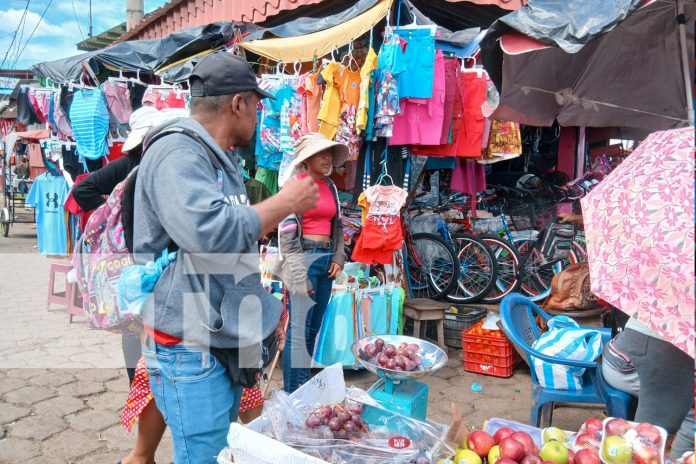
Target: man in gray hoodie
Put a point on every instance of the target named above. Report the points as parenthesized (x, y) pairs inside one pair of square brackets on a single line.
[(192, 198)]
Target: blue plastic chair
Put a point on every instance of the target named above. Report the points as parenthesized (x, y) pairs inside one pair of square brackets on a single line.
[(518, 317)]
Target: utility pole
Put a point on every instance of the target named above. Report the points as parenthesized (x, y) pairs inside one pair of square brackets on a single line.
[(134, 12), (90, 19)]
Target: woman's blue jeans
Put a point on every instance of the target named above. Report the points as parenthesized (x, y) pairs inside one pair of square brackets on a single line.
[(299, 346), (194, 393)]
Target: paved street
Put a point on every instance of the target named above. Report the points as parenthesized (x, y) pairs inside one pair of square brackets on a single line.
[(62, 385)]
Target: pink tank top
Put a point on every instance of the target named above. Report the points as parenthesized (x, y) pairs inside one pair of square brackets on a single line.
[(317, 221)]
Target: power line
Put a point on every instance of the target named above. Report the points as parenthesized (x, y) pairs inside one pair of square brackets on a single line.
[(21, 37), (32, 33), (26, 8), (77, 20)]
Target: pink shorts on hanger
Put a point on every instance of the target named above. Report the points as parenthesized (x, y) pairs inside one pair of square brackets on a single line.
[(421, 119)]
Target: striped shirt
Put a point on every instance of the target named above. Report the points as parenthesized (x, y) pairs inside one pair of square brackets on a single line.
[(89, 116)]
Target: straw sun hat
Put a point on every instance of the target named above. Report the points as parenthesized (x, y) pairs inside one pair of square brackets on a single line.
[(311, 144)]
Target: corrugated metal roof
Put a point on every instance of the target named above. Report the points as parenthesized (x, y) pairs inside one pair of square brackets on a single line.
[(179, 14)]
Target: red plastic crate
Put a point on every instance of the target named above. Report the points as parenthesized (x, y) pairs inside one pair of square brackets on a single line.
[(488, 354), (487, 369), (498, 361)]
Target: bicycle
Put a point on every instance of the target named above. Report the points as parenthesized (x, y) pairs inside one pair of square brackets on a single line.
[(530, 259), (476, 262)]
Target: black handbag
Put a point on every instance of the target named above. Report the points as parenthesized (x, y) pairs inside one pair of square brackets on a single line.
[(247, 377)]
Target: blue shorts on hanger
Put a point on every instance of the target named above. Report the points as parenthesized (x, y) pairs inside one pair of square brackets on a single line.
[(417, 79)]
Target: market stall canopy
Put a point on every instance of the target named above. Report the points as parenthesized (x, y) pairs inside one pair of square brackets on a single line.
[(145, 56), (591, 63), (639, 223), (317, 44)]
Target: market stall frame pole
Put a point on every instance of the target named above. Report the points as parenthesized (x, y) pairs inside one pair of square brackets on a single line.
[(681, 20)]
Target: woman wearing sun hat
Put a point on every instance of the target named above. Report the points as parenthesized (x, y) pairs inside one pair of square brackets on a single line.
[(311, 250)]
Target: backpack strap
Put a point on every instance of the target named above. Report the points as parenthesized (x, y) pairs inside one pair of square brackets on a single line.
[(189, 133)]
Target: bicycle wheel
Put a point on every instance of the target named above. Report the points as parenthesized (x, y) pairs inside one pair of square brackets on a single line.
[(508, 264), (477, 270), (432, 265), (537, 270)]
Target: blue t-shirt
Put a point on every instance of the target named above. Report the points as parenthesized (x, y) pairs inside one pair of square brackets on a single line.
[(47, 195)]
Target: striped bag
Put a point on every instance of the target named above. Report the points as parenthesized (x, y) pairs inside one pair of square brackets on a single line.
[(565, 340)]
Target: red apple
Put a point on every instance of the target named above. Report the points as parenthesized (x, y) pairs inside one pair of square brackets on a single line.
[(587, 440), (527, 442), (645, 453), (571, 456), (480, 443), (587, 456), (617, 427), (593, 424), (649, 433), (531, 458), (511, 449), (502, 432)]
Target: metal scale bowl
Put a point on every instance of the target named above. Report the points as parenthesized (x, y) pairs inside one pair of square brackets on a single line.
[(399, 390)]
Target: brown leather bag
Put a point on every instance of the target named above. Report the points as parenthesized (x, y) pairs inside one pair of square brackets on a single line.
[(570, 290)]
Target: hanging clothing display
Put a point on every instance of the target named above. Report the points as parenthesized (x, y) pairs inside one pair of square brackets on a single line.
[(470, 139), (347, 131), (420, 120), (118, 99), (366, 79), (381, 234), (313, 93), (330, 110), (47, 195), (451, 94), (468, 177), (89, 118), (504, 142), (416, 80), (268, 153)]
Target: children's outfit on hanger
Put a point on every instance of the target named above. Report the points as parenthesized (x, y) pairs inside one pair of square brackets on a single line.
[(330, 110), (421, 119), (313, 93), (366, 77), (381, 234), (164, 99), (90, 122), (347, 132), (268, 152), (471, 131), (390, 64), (47, 195)]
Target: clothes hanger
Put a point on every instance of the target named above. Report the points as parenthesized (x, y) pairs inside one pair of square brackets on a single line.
[(415, 26), (477, 69), (384, 175)]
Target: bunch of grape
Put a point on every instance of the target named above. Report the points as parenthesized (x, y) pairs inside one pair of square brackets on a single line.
[(402, 358), (338, 418)]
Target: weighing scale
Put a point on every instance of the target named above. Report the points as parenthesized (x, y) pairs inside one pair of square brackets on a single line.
[(399, 391)]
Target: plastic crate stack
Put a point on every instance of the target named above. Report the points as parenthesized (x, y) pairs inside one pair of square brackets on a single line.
[(488, 352), (458, 319)]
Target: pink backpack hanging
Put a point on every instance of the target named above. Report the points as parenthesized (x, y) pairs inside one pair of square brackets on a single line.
[(99, 259)]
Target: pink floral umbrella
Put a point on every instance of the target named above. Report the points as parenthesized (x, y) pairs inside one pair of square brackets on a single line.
[(639, 223)]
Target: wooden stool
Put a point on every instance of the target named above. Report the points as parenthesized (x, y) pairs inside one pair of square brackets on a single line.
[(54, 296), (75, 307), (424, 310)]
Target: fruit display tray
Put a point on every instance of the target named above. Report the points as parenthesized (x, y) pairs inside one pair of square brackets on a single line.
[(432, 356)]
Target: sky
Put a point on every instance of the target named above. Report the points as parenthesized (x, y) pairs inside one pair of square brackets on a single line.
[(58, 32)]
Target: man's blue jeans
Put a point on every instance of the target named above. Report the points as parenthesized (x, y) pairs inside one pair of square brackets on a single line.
[(194, 393), (294, 375)]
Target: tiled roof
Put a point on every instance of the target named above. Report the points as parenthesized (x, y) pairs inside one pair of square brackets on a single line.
[(180, 14)]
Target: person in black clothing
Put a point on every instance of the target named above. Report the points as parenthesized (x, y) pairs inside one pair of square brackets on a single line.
[(90, 194)]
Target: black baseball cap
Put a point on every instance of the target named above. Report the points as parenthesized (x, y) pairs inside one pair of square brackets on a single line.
[(221, 73)]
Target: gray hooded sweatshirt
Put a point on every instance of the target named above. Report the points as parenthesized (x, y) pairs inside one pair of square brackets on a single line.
[(212, 294)]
